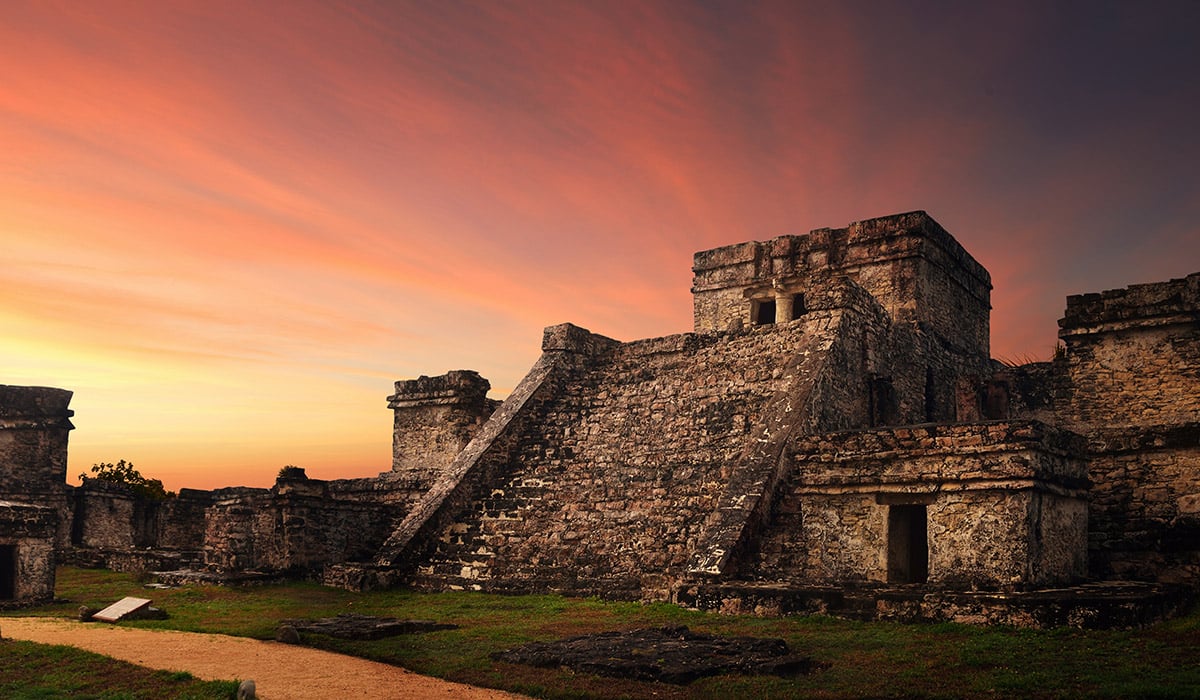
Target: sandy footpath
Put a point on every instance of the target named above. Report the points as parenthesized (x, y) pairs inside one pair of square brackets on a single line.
[(281, 671)]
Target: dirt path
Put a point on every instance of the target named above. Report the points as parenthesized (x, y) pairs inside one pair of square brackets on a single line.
[(281, 671)]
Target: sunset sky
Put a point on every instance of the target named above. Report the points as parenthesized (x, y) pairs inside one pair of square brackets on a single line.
[(228, 227)]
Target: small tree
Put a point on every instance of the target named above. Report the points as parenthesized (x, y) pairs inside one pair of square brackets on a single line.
[(291, 471), (123, 473)]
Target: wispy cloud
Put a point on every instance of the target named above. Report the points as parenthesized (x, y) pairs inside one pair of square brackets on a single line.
[(214, 213)]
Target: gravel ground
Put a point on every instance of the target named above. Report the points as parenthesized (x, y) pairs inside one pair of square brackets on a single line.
[(281, 671)]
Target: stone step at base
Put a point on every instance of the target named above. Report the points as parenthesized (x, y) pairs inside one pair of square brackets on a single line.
[(1095, 605)]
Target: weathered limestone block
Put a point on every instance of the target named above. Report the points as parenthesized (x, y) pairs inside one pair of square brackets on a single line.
[(435, 418)]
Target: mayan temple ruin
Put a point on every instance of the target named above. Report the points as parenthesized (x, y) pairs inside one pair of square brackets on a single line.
[(833, 436)]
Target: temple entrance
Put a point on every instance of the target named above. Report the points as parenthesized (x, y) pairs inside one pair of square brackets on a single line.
[(763, 311), (908, 544), (8, 571)]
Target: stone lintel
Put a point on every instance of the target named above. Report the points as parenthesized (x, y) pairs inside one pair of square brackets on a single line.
[(1144, 438), (19, 520), (958, 438), (1079, 332), (962, 456), (900, 492)]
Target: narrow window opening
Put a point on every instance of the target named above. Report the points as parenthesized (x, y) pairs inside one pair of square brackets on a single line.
[(995, 401), (798, 307), (764, 312), (881, 401), (908, 544), (79, 517), (930, 396), (8, 572)]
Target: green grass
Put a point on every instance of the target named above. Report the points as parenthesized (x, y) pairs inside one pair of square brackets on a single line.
[(31, 671), (864, 659)]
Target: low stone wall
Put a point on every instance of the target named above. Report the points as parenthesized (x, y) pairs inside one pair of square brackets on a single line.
[(1106, 605), (180, 521), (295, 527), (1145, 511), (104, 516)]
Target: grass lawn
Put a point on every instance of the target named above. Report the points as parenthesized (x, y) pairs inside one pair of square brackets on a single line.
[(31, 671), (864, 659)]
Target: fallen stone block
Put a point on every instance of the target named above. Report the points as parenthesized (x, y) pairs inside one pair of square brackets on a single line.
[(121, 609)]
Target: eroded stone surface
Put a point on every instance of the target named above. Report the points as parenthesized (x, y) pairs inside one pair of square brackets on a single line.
[(666, 654)]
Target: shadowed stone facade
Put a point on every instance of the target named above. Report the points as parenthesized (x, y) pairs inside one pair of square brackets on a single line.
[(833, 424), (34, 517)]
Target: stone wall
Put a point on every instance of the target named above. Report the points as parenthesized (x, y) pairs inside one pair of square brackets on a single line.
[(104, 516), (1004, 505), (296, 527), (180, 521), (34, 424), (34, 513), (240, 530), (1145, 522), (1130, 381), (27, 553), (1133, 356), (435, 418)]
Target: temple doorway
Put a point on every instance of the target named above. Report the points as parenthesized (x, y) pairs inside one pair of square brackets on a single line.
[(8, 571), (908, 544)]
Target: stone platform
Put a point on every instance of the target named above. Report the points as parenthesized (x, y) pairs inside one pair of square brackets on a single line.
[(1098, 605)]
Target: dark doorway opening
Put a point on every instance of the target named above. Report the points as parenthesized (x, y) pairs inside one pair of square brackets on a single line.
[(8, 571), (764, 312), (908, 544), (995, 401), (798, 308), (930, 396)]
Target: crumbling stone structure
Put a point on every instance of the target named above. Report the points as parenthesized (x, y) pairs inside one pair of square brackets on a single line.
[(435, 418), (834, 424), (34, 425), (295, 528), (632, 469)]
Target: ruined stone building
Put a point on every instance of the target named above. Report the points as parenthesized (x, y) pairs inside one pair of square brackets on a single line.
[(834, 423), (34, 422)]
